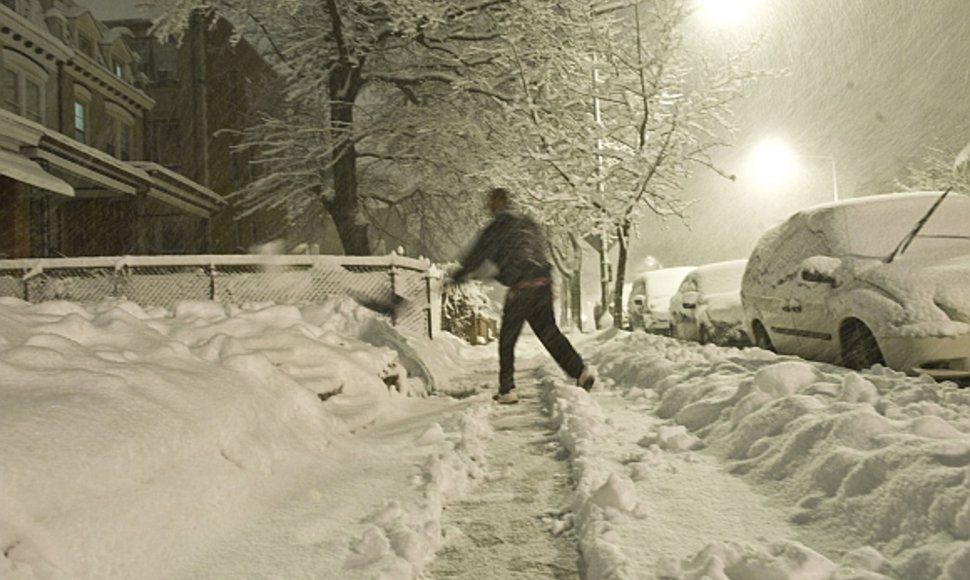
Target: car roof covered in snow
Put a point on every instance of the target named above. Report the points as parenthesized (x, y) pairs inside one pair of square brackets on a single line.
[(719, 276)]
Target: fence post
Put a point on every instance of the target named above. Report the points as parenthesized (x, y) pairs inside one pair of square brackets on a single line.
[(429, 307), (118, 279), (392, 271), (211, 270)]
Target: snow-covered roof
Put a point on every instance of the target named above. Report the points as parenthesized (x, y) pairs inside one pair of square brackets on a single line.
[(664, 282), (720, 276)]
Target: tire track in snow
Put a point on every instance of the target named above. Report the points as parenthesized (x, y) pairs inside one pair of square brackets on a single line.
[(505, 529)]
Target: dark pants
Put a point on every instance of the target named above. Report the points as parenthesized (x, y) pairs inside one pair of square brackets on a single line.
[(532, 304)]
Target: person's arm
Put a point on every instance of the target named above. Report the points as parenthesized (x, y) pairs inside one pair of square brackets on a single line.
[(479, 252)]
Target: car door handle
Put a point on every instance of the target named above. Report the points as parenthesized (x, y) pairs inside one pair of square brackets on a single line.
[(795, 308)]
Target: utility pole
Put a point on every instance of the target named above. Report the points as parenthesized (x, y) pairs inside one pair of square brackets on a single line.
[(603, 234)]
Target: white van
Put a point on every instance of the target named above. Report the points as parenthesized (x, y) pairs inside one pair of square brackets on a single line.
[(649, 305)]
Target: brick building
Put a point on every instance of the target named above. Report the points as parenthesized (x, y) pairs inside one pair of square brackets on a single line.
[(206, 89), (75, 179)]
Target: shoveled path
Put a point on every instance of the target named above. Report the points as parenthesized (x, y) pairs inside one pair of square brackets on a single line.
[(508, 527)]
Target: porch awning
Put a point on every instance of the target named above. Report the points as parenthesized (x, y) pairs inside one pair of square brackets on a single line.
[(179, 191), (94, 173), (19, 168)]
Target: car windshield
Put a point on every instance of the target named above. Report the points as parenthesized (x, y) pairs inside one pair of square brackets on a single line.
[(720, 278), (873, 230)]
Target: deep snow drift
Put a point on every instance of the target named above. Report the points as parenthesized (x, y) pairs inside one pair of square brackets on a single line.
[(273, 440)]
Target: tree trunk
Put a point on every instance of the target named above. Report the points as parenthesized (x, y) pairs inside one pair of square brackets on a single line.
[(565, 299), (624, 235), (576, 284), (345, 209), (604, 279)]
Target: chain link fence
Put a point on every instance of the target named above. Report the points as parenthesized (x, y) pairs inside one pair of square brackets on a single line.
[(404, 289)]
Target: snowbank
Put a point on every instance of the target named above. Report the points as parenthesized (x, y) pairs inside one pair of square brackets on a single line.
[(876, 465), (115, 420), (401, 540)]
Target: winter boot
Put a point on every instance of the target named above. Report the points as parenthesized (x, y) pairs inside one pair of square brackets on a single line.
[(509, 398), (586, 379)]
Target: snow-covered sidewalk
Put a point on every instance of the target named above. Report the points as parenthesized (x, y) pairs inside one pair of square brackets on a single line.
[(750, 465), (516, 523), (280, 442)]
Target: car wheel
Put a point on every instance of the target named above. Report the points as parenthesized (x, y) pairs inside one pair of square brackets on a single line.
[(859, 347), (761, 338), (703, 335)]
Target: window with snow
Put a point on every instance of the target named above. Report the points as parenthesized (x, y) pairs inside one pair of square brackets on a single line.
[(81, 121)]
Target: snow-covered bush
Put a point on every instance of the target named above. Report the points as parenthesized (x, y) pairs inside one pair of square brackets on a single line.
[(468, 312)]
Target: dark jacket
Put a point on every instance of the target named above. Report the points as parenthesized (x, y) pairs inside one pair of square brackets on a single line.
[(515, 244)]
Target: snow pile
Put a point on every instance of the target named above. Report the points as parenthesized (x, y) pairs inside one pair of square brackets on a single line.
[(181, 414), (402, 540), (877, 458), (149, 444), (602, 494)]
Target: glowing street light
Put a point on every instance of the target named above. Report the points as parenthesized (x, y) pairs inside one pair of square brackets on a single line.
[(727, 12), (773, 163)]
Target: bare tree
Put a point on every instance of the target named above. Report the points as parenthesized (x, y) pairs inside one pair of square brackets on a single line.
[(664, 111), (937, 169), (396, 115), (366, 83)]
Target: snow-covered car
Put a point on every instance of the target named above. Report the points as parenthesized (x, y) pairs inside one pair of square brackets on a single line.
[(649, 305), (707, 305), (876, 280)]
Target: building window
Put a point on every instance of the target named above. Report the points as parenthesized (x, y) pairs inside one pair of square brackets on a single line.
[(11, 91), (80, 121), (166, 150), (11, 4), (33, 104), (85, 44), (124, 142), (119, 70), (23, 95), (109, 143), (166, 61), (143, 48)]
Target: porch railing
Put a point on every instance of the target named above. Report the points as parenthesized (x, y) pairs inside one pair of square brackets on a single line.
[(399, 287)]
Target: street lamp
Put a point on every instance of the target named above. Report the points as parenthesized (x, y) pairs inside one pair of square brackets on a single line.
[(728, 12), (773, 163)]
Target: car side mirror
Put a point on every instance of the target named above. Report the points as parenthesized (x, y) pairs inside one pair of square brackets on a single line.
[(821, 270)]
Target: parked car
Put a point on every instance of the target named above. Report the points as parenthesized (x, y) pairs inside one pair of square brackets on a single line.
[(649, 305), (882, 279), (707, 305)]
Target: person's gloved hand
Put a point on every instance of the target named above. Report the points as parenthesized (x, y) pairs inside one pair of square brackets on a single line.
[(452, 280)]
